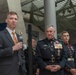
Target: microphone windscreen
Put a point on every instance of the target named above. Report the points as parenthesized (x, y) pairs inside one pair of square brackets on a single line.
[(20, 38)]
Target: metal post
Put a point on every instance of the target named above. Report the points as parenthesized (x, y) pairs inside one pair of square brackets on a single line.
[(50, 14), (30, 49)]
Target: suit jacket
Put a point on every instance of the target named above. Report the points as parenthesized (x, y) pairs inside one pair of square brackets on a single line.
[(10, 61)]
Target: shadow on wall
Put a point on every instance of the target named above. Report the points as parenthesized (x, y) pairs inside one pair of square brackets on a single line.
[(2, 26)]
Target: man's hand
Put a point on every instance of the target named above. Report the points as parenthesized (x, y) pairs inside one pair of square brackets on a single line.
[(17, 47), (48, 67), (73, 71), (55, 68), (37, 72)]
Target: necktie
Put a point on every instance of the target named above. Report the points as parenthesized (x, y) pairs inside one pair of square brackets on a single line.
[(14, 38)]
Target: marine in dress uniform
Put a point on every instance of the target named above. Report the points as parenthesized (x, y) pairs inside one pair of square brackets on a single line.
[(70, 68), (50, 54)]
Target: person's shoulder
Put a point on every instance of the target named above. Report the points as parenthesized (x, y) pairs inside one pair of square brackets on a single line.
[(42, 40), (74, 46), (60, 41), (2, 32)]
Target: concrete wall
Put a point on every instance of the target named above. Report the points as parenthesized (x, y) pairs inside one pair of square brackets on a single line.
[(3, 10)]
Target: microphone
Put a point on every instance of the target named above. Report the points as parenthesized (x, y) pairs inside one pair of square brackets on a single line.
[(21, 40), (20, 37)]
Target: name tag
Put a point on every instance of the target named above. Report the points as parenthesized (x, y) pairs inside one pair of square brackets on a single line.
[(70, 59)]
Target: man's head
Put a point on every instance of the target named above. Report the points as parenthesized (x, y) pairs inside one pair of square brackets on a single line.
[(65, 36), (50, 31), (33, 42), (11, 20)]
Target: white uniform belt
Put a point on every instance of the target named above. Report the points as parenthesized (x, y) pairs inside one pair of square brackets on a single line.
[(70, 59)]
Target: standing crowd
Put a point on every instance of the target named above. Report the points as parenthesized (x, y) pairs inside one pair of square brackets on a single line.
[(51, 56)]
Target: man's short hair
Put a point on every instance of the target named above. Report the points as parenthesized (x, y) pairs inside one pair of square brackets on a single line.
[(48, 27), (32, 38), (64, 32), (12, 13)]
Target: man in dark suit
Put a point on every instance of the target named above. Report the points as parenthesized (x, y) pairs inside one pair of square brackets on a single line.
[(70, 68), (50, 54), (12, 60)]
